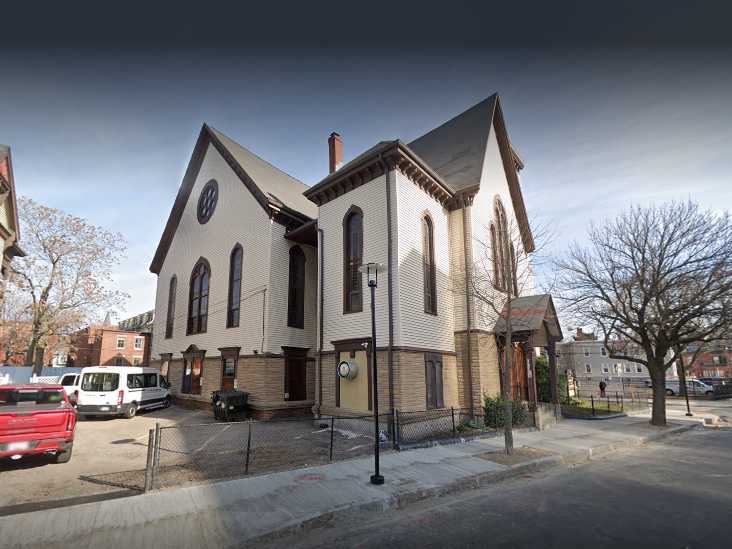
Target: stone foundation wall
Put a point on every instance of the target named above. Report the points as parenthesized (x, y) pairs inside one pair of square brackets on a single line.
[(484, 367)]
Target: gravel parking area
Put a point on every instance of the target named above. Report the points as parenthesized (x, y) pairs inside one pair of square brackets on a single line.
[(103, 447)]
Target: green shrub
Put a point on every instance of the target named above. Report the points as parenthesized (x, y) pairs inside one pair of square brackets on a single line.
[(494, 412), (543, 389)]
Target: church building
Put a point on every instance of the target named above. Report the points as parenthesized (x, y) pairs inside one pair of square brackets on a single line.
[(261, 285)]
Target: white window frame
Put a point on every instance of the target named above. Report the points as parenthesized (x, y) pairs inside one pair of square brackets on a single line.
[(605, 369), (639, 369), (123, 339), (141, 341), (628, 369), (587, 352), (603, 351), (137, 360), (588, 368)]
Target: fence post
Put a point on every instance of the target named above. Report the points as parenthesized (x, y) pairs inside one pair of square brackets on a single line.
[(398, 437), (332, 423), (156, 455), (452, 410), (249, 444), (608, 403), (394, 442), (622, 403), (592, 400), (149, 463)]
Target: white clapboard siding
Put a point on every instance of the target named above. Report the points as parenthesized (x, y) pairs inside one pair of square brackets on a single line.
[(238, 218), (417, 328), (371, 198)]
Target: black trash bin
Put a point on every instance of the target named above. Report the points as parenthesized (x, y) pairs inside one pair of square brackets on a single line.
[(228, 404)]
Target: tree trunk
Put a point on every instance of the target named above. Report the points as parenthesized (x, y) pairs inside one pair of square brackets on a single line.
[(658, 381), (507, 396)]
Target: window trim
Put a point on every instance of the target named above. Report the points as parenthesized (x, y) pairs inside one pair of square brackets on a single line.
[(296, 295), (141, 339), (170, 314), (201, 327), (429, 278), (348, 308), (123, 339), (232, 322)]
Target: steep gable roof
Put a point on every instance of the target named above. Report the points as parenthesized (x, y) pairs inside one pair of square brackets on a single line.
[(273, 189), (8, 179), (456, 151)]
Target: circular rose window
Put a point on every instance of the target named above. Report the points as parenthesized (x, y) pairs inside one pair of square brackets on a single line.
[(207, 201)]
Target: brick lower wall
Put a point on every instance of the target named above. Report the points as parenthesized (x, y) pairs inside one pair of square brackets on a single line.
[(263, 377), (483, 364)]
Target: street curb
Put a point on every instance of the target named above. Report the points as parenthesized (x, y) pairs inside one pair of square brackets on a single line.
[(405, 499)]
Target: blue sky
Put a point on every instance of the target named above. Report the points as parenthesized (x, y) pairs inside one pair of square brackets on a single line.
[(107, 135)]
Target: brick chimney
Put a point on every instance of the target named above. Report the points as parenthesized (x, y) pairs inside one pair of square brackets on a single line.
[(335, 152)]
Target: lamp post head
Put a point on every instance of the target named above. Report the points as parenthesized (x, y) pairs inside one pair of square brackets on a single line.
[(372, 273)]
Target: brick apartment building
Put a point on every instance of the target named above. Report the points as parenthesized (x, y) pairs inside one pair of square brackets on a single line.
[(127, 344), (714, 362)]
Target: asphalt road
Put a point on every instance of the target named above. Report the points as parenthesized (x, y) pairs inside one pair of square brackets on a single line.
[(675, 493)]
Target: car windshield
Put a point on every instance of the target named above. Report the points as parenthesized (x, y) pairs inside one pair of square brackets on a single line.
[(15, 397), (68, 380), (100, 382)]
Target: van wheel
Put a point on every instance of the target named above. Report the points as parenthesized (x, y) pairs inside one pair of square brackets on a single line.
[(65, 456), (166, 402), (669, 392), (131, 411), (709, 393)]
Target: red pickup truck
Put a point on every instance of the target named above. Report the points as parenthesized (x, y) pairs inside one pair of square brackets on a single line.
[(36, 419)]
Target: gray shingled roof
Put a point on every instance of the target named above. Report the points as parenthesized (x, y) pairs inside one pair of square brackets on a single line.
[(279, 187), (456, 149)]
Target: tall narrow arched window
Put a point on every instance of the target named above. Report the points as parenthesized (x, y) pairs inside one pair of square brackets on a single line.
[(234, 300), (502, 245), (495, 258), (296, 289), (170, 318), (514, 268), (352, 259), (198, 298), (428, 266)]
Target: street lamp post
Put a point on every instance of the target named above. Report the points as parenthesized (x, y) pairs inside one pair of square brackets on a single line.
[(372, 270)]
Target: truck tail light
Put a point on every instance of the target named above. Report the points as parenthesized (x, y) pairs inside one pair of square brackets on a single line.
[(120, 397), (71, 422)]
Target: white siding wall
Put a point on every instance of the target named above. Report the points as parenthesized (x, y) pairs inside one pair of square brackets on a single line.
[(278, 332), (493, 183), (238, 218), (417, 328), (371, 198)]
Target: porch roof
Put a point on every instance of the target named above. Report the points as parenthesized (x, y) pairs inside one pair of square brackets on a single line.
[(534, 314)]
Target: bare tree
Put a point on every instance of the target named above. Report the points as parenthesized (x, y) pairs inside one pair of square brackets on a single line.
[(655, 279), (502, 270), (65, 273)]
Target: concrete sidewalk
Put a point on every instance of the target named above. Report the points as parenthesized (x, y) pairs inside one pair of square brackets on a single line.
[(232, 513)]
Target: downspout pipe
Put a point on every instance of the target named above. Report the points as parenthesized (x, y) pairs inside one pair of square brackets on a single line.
[(319, 402), (390, 280), (467, 255)]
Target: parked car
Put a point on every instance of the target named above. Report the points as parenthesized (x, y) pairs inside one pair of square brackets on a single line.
[(121, 390), (714, 380), (694, 387), (70, 383), (36, 419)]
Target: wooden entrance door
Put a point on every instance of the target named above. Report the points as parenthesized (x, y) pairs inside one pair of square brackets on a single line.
[(518, 374), (228, 373), (295, 379)]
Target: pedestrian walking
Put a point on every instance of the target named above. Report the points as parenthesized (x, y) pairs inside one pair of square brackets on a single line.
[(603, 385)]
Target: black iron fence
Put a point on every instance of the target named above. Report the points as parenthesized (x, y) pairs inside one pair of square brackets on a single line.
[(599, 403), (192, 453)]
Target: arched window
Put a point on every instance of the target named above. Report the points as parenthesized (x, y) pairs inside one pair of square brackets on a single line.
[(296, 289), (496, 259), (234, 301), (428, 266), (198, 298), (502, 245), (170, 318), (352, 259), (513, 268)]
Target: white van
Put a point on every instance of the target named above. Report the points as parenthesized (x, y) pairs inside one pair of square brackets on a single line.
[(121, 390), (70, 383)]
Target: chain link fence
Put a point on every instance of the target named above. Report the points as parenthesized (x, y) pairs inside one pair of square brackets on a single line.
[(183, 454)]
